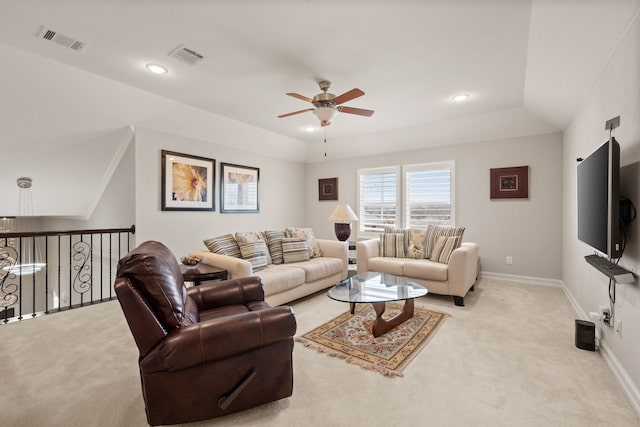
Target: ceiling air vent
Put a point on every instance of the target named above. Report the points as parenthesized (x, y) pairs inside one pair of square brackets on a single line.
[(186, 55), (54, 36)]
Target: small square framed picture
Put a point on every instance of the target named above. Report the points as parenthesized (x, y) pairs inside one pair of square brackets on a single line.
[(328, 189), (510, 183)]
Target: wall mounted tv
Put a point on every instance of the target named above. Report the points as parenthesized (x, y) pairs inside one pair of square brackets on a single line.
[(599, 200)]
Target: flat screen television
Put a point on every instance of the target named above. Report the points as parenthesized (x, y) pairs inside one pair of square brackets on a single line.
[(599, 200)]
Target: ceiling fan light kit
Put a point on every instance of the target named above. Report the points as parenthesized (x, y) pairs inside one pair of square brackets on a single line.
[(328, 105)]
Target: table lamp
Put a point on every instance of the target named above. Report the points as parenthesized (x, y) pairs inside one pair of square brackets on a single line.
[(343, 216)]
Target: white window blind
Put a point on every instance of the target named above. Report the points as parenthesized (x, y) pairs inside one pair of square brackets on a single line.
[(428, 195), (378, 199)]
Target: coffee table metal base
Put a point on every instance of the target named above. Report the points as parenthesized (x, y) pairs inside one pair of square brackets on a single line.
[(382, 326)]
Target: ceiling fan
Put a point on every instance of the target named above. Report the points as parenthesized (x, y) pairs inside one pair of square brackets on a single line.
[(328, 105)]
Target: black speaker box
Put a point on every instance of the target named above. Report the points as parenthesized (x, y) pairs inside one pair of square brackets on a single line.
[(585, 335)]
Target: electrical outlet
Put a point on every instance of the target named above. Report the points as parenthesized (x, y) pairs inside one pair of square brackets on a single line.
[(618, 327), (606, 315), (509, 260)]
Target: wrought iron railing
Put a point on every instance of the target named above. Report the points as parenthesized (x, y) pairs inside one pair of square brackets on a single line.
[(79, 269)]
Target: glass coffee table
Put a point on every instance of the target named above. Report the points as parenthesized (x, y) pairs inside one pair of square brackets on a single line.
[(378, 289)]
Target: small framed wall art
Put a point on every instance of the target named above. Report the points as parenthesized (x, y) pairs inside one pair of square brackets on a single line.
[(187, 182), (510, 183), (328, 189), (239, 188)]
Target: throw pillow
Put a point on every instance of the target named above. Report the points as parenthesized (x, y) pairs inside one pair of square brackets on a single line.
[(435, 231), (417, 243), (255, 253), (247, 236), (307, 233), (295, 249), (274, 243), (224, 245), (392, 245), (404, 231), (443, 248)]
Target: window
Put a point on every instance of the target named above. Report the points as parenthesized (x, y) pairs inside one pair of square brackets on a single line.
[(408, 196), (427, 198), (378, 199)]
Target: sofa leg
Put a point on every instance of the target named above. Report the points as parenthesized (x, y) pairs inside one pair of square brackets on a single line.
[(459, 301), (473, 287)]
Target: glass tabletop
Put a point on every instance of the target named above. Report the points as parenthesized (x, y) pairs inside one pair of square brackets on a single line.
[(376, 287)]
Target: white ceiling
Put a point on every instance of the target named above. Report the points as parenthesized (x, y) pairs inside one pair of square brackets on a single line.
[(409, 56), (526, 64)]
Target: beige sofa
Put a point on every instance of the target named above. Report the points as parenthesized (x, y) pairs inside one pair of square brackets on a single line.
[(286, 282), (455, 278)]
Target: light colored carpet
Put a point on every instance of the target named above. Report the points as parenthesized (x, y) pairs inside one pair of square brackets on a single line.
[(506, 359)]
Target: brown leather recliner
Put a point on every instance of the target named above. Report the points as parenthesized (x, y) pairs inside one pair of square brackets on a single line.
[(205, 351)]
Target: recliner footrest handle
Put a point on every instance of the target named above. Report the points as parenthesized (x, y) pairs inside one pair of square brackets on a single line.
[(225, 401)]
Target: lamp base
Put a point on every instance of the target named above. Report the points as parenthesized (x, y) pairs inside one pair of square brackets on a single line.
[(343, 230)]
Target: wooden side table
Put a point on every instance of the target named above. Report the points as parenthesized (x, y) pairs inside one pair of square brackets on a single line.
[(202, 273)]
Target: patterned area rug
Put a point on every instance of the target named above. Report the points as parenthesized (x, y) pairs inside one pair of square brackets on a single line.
[(349, 337)]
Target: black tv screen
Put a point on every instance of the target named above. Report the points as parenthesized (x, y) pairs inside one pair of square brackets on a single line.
[(598, 199)]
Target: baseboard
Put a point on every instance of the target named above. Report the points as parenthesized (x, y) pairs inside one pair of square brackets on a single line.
[(521, 279), (628, 387)]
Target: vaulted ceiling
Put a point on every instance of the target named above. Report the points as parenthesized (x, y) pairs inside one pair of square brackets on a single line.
[(525, 64)]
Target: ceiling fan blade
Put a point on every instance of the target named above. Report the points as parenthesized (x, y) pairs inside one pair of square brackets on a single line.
[(295, 112), (302, 97), (323, 124), (348, 96), (358, 111)]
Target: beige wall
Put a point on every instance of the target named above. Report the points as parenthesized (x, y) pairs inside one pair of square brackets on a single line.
[(528, 230), (281, 187), (617, 92)]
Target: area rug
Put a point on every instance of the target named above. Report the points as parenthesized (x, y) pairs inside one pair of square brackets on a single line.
[(349, 337)]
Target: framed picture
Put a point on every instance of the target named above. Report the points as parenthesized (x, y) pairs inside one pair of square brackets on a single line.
[(510, 183), (328, 189), (239, 188), (187, 182)]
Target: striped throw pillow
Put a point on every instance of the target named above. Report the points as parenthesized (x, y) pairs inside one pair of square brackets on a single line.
[(274, 243), (435, 231), (444, 247), (255, 253), (224, 245), (295, 249), (392, 245)]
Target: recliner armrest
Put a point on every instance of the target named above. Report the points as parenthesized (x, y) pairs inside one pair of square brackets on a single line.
[(227, 292), (220, 338)]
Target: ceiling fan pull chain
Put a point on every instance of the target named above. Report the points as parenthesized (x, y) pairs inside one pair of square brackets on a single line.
[(325, 142)]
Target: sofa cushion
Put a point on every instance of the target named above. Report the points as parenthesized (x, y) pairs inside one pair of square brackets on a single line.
[(274, 243), (224, 245), (443, 248), (295, 249), (280, 278), (425, 269), (416, 245), (319, 268), (255, 253), (388, 264), (307, 233), (247, 236), (404, 231), (435, 231), (392, 245)]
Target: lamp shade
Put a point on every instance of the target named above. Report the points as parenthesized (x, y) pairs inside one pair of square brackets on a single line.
[(343, 213), (325, 114)]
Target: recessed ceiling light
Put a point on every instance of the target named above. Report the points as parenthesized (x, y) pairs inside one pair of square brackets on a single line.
[(461, 97), (157, 69), (310, 129)]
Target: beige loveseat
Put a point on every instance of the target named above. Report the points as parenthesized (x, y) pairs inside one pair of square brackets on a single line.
[(455, 278), (285, 282)]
